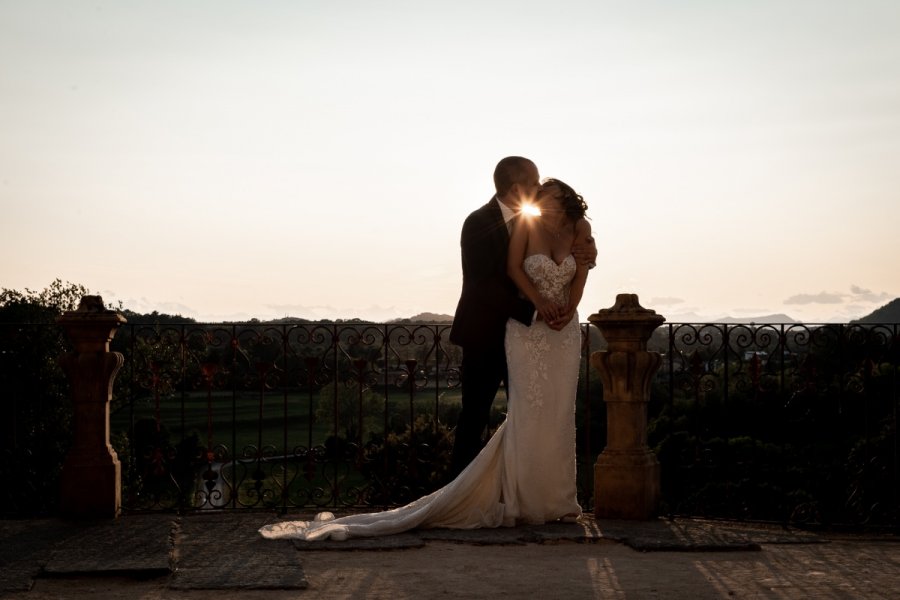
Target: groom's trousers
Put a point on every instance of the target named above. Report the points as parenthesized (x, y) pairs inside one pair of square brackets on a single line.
[(482, 371)]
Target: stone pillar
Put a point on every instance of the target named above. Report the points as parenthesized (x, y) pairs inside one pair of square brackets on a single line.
[(626, 476), (91, 483)]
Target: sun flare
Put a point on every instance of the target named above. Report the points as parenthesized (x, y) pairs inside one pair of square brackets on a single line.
[(531, 209)]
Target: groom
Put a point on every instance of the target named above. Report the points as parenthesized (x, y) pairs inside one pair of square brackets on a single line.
[(489, 298)]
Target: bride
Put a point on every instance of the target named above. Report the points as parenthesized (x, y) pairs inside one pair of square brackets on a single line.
[(526, 472)]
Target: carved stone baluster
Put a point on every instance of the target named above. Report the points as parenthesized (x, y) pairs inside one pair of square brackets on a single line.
[(626, 475), (91, 474)]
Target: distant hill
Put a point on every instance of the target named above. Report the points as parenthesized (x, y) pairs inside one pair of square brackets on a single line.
[(153, 318), (759, 320), (763, 320), (425, 317), (889, 313)]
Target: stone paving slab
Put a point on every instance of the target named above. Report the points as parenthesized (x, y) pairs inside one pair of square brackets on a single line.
[(698, 535), (503, 536), (25, 547), (135, 544), (585, 530), (225, 552), (401, 541)]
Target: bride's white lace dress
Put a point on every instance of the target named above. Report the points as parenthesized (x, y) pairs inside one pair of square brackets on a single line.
[(526, 472)]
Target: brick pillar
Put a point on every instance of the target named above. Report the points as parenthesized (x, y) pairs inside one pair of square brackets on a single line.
[(91, 482), (626, 475)]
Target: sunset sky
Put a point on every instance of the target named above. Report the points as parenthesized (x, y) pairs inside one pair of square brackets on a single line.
[(229, 160)]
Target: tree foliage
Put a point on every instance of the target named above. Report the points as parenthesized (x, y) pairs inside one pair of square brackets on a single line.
[(35, 405), (33, 307)]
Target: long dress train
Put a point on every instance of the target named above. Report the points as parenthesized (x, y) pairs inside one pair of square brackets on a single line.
[(526, 472)]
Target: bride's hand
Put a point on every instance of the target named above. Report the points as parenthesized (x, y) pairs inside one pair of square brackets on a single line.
[(562, 319), (548, 310)]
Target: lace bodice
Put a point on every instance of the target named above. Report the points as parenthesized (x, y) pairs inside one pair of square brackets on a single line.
[(551, 279)]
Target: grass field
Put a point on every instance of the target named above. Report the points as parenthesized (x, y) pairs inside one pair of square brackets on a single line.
[(281, 420), (235, 426)]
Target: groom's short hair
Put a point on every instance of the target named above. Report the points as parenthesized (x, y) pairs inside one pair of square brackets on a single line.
[(509, 171)]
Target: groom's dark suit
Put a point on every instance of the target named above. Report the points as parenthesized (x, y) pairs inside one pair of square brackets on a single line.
[(489, 298)]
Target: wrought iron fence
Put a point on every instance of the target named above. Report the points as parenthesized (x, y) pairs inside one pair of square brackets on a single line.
[(288, 416), (784, 422), (777, 422)]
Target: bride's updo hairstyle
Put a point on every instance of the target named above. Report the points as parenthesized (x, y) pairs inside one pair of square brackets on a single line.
[(573, 204)]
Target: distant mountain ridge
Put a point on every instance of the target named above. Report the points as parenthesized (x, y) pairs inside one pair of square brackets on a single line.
[(425, 317), (763, 320), (889, 313), (758, 320)]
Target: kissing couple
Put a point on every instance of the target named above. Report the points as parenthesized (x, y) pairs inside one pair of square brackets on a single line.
[(525, 261)]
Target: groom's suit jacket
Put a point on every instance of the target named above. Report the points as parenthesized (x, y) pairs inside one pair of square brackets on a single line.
[(489, 297)]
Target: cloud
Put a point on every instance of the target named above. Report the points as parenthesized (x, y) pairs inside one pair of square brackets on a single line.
[(145, 305), (857, 295), (820, 298), (665, 301), (864, 295)]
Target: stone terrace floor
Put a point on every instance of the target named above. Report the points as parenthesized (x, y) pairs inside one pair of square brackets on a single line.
[(208, 556)]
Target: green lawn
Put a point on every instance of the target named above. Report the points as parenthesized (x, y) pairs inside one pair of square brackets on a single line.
[(238, 421)]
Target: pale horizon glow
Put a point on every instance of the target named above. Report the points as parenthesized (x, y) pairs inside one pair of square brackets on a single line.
[(236, 160)]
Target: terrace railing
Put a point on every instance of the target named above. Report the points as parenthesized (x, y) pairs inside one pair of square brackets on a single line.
[(290, 416), (789, 422)]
